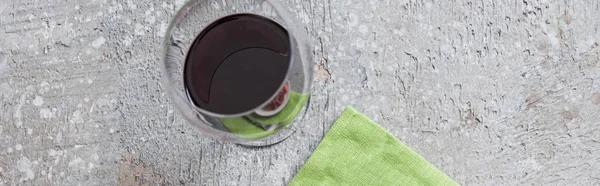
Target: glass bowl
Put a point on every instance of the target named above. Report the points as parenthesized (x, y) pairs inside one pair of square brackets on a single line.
[(268, 123)]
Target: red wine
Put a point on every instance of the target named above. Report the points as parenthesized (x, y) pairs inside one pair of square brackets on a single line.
[(237, 63)]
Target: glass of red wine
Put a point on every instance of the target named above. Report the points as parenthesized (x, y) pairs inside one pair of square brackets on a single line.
[(238, 71)]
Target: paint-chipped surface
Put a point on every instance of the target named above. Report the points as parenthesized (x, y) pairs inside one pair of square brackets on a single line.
[(491, 92), (137, 173)]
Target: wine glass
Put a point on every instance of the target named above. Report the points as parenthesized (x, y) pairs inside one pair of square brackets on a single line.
[(238, 71)]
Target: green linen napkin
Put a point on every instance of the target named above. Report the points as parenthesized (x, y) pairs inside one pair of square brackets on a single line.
[(246, 127), (356, 151)]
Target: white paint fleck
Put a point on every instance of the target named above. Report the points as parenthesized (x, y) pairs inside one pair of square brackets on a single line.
[(17, 115), (375, 47), (59, 137), (345, 98), (139, 30), (353, 20), (24, 166), (19, 147), (111, 131), (2, 63), (304, 18), (359, 43), (162, 29), (75, 162), (150, 19), (90, 167), (50, 173), (363, 29), (9, 150), (38, 101), (29, 131), (30, 17), (216, 5), (398, 32), (46, 113), (105, 103), (76, 117), (127, 41), (54, 153), (98, 42), (179, 3), (90, 81), (86, 99)]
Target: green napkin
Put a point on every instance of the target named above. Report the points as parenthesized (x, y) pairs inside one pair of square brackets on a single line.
[(356, 151), (246, 127)]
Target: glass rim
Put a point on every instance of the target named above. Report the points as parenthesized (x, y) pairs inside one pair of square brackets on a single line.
[(174, 93)]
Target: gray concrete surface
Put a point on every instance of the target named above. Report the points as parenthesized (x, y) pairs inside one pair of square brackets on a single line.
[(491, 92)]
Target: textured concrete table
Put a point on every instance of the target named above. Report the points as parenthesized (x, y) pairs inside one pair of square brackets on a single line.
[(491, 92)]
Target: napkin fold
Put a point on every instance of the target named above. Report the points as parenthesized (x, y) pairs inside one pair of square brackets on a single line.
[(356, 151)]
